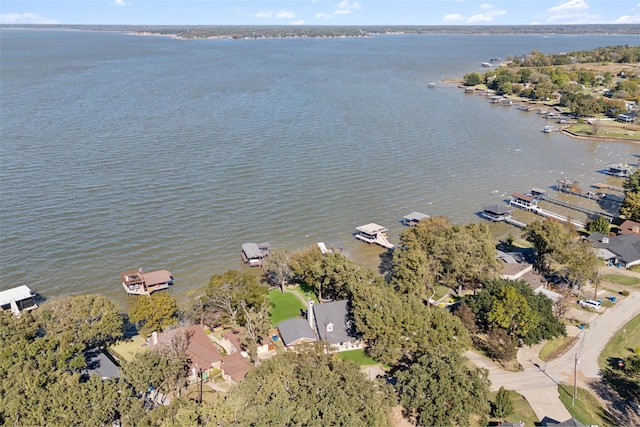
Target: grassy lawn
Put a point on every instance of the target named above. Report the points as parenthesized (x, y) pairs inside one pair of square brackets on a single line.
[(285, 306), (621, 345), (587, 409), (521, 410), (441, 291), (126, 350), (609, 129), (621, 280), (357, 356), (556, 348)]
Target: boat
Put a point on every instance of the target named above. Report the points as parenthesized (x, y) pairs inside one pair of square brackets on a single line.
[(547, 129), (486, 65), (374, 233), (619, 170), (254, 253), (431, 85), (135, 282), (18, 299)]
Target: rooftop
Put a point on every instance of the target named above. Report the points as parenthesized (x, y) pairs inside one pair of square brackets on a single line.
[(372, 228)]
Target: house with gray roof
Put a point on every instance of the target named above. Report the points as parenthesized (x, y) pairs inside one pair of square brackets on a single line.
[(330, 322), (622, 250)]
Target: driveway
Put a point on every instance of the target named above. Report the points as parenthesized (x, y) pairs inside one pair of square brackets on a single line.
[(537, 382)]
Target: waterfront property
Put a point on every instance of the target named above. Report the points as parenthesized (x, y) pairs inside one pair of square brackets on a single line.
[(413, 218), (18, 299), (524, 201), (329, 322), (374, 233), (254, 253), (135, 282), (622, 250)]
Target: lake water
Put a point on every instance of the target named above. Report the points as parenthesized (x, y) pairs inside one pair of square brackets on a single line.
[(120, 151)]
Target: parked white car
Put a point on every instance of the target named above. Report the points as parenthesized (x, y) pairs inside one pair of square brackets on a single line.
[(589, 303)]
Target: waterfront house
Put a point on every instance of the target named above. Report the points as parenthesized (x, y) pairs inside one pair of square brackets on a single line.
[(254, 253), (135, 282), (629, 227), (18, 299), (330, 322), (622, 250)]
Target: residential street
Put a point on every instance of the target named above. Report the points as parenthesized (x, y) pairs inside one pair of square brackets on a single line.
[(538, 381)]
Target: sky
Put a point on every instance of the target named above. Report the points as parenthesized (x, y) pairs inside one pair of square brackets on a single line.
[(320, 12)]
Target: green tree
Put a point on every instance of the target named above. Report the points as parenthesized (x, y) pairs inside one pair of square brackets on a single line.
[(151, 370), (473, 79), (599, 225), (439, 389), (311, 388), (401, 325), (89, 320), (503, 406), (277, 268), (511, 311), (219, 301), (155, 312), (549, 239)]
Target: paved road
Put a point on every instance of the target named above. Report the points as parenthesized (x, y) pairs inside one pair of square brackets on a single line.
[(538, 380)]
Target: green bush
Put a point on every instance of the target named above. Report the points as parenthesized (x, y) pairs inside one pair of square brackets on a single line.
[(624, 293)]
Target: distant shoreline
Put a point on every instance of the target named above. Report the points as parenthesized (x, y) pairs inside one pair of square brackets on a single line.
[(250, 32)]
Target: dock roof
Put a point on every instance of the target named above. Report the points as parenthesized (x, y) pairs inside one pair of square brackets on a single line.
[(18, 293), (523, 197), (416, 216), (371, 228), (156, 277), (498, 209), (251, 250)]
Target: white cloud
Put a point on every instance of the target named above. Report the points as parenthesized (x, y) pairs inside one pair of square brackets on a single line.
[(486, 6), (348, 5), (627, 19), (298, 22), (322, 15), (496, 13), (453, 17), (25, 18), (120, 3), (285, 14), (570, 6), (281, 14), (577, 19), (342, 12), (481, 17)]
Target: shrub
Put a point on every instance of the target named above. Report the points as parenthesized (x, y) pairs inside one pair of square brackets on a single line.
[(624, 293)]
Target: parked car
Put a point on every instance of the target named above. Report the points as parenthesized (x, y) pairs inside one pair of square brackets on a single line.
[(589, 303)]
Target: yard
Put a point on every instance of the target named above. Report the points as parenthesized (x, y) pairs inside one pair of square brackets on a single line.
[(606, 129), (521, 410), (555, 348), (126, 350), (619, 279), (586, 409), (357, 356), (284, 305), (622, 344)]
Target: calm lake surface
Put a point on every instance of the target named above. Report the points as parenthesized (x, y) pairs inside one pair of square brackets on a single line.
[(120, 151)]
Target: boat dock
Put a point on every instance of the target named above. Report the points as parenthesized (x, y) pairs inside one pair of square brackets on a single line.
[(501, 213), (600, 185), (578, 208), (531, 204), (374, 233), (135, 282)]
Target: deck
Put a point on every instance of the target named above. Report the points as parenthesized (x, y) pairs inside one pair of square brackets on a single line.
[(135, 282), (373, 233)]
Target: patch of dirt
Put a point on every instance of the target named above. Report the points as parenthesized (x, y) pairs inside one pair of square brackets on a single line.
[(398, 420)]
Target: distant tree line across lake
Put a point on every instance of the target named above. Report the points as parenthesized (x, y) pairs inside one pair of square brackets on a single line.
[(286, 31)]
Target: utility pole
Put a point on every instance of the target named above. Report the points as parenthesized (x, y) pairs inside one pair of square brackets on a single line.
[(575, 379)]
